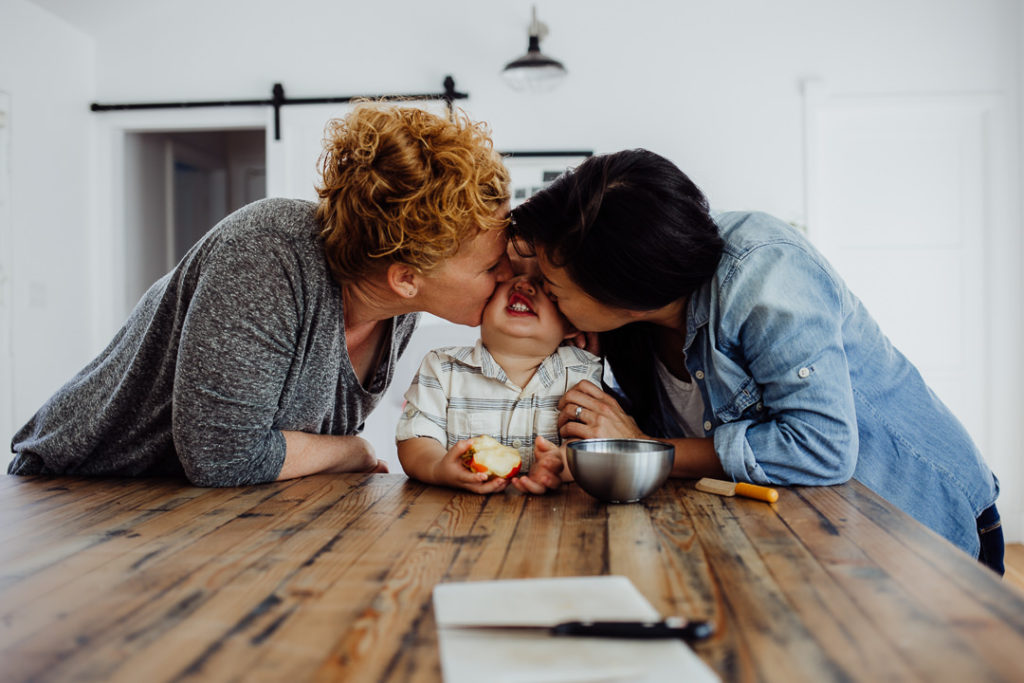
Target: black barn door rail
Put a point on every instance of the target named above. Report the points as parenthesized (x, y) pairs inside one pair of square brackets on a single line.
[(279, 100)]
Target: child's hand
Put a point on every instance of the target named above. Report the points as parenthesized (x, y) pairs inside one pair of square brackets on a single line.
[(546, 472), (450, 471)]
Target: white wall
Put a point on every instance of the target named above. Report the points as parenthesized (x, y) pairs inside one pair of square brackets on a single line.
[(47, 67), (713, 85), (716, 86)]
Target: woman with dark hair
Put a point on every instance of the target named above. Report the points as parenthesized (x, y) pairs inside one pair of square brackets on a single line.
[(731, 337)]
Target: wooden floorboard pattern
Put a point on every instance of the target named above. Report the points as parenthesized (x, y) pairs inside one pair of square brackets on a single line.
[(1015, 565)]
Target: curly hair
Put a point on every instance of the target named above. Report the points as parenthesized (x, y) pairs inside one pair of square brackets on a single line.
[(400, 184)]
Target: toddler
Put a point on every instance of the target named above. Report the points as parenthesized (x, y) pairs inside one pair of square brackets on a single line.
[(507, 386)]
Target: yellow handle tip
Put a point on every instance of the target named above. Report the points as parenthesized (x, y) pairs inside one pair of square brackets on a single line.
[(764, 493)]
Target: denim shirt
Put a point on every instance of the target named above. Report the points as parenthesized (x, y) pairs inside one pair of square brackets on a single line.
[(801, 387)]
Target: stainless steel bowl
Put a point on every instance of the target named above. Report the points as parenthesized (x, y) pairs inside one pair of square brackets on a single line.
[(620, 470)]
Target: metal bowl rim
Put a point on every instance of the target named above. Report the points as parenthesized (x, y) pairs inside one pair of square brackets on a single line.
[(659, 445)]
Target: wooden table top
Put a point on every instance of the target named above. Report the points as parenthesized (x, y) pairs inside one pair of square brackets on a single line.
[(330, 578)]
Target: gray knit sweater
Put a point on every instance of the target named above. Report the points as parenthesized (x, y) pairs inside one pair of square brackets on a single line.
[(243, 339)]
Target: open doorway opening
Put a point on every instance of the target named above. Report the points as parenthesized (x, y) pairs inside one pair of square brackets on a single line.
[(177, 186)]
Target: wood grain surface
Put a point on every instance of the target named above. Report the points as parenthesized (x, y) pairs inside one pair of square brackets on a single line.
[(329, 578)]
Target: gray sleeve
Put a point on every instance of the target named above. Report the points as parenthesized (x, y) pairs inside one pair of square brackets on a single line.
[(237, 343)]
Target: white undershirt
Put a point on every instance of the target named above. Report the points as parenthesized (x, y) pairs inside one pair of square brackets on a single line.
[(685, 402)]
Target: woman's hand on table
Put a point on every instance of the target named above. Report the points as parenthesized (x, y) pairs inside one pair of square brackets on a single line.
[(380, 468), (588, 412), (358, 456), (547, 471)]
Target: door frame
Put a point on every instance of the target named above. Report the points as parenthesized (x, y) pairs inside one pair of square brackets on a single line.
[(109, 273)]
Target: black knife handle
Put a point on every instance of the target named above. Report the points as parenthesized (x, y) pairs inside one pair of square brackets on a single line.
[(691, 630)]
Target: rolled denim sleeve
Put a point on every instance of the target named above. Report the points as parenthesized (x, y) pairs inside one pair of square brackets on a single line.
[(781, 314)]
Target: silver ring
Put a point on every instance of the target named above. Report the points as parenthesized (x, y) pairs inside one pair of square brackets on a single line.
[(579, 411)]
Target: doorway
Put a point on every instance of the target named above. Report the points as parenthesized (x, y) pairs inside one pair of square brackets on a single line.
[(178, 185)]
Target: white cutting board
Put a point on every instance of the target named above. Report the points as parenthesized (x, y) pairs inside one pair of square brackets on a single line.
[(506, 657)]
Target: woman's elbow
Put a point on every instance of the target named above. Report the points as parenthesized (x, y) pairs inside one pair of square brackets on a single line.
[(838, 461), (816, 458), (218, 468), (837, 473), (200, 472), (208, 480)]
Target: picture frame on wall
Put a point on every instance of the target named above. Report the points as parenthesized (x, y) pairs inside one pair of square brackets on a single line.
[(531, 171)]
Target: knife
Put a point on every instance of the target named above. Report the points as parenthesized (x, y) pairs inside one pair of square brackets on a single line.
[(670, 627)]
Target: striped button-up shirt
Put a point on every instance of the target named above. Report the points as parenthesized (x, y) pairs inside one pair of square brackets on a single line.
[(461, 392)]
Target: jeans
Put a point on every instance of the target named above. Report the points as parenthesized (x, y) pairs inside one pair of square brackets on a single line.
[(990, 533)]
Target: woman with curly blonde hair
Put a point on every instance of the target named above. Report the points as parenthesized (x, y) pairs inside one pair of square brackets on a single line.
[(259, 356)]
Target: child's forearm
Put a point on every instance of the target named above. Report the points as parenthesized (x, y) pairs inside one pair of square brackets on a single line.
[(419, 458)]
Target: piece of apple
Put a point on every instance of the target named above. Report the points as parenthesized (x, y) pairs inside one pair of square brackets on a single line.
[(487, 455)]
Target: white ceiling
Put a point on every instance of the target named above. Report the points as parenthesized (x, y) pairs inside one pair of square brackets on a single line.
[(90, 16)]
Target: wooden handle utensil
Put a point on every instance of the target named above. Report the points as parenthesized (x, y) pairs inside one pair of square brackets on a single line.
[(728, 488)]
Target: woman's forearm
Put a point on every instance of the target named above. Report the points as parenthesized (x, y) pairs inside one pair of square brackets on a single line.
[(314, 453), (695, 458)]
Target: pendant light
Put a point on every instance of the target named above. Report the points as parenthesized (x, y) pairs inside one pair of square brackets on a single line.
[(534, 71)]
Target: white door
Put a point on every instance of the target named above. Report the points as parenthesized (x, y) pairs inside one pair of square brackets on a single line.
[(899, 210), (292, 159), (909, 197), (6, 286)]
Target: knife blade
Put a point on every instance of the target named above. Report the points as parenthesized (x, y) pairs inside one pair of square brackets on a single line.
[(671, 627)]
